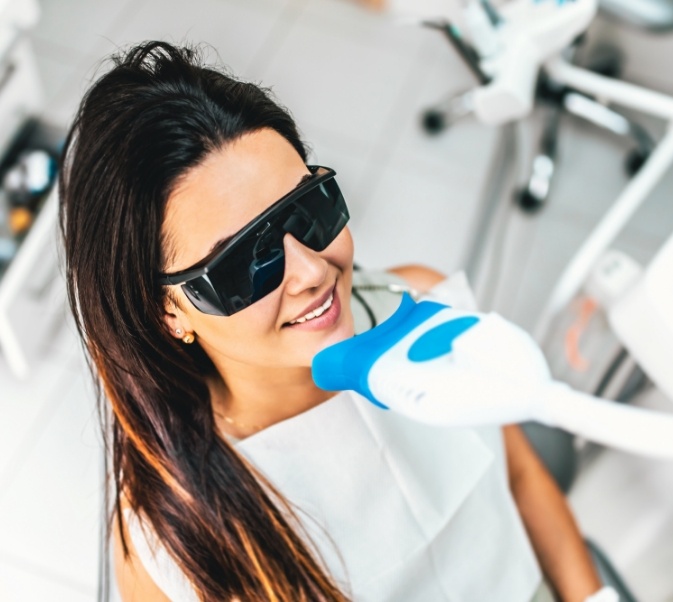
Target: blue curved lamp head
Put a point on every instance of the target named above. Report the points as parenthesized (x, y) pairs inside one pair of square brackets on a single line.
[(346, 365)]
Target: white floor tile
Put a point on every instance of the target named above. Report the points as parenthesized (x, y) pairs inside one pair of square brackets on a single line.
[(55, 65), (49, 512), (514, 245), (589, 172), (623, 502), (65, 343), (335, 82), (66, 73), (552, 244), (20, 584), (465, 142), (591, 176), (416, 217), (71, 63), (235, 29), (646, 55), (363, 26), (27, 406), (78, 25)]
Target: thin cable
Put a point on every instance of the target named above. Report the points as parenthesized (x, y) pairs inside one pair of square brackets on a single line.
[(365, 305), (391, 287)]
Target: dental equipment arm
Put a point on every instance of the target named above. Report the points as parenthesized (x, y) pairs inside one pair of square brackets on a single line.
[(444, 366), (510, 46), (530, 34)]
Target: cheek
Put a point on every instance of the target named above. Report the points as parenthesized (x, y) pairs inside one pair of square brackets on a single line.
[(244, 330), (245, 341), (240, 336), (341, 250)]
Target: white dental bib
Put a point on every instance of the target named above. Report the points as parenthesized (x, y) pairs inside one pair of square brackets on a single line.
[(400, 511), (416, 512)]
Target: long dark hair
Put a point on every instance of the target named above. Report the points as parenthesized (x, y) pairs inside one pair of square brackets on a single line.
[(156, 114)]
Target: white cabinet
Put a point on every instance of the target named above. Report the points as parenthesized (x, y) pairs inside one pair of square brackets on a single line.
[(31, 288), (32, 292)]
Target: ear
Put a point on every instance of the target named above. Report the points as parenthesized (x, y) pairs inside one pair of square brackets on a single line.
[(175, 318)]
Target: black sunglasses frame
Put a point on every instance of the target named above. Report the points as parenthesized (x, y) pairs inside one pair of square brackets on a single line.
[(319, 175)]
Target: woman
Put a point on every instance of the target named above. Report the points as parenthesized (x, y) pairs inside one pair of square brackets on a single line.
[(206, 266)]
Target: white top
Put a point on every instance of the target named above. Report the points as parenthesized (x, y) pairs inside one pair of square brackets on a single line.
[(413, 512)]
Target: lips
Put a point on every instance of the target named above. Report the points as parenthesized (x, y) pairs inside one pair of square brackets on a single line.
[(320, 303), (316, 313), (320, 314)]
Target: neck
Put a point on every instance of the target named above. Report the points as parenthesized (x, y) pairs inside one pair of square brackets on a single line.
[(253, 399)]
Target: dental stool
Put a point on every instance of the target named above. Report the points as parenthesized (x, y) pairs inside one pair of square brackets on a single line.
[(652, 15)]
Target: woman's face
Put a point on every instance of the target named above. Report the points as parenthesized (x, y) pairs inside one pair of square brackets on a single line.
[(214, 201)]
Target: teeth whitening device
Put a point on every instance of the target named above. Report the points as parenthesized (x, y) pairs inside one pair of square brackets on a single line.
[(443, 366)]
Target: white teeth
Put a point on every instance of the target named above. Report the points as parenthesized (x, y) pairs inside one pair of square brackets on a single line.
[(318, 311), (327, 304)]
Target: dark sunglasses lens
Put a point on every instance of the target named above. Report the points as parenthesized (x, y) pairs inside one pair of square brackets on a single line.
[(248, 273), (318, 216), (256, 266), (266, 274), (202, 295)]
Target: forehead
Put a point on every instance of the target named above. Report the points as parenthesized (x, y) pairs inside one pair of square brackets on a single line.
[(218, 197)]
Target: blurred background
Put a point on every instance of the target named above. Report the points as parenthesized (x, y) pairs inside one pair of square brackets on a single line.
[(446, 194)]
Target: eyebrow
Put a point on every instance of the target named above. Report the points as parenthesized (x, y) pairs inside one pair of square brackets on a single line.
[(224, 241)]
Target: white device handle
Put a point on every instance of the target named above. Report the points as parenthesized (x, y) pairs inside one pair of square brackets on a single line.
[(632, 429)]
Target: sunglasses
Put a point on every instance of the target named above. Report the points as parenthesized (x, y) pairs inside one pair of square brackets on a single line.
[(251, 264)]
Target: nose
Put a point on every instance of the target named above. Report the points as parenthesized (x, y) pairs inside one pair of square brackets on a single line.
[(304, 268)]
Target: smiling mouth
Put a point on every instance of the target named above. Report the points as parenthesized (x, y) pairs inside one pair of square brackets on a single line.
[(320, 316), (318, 311)]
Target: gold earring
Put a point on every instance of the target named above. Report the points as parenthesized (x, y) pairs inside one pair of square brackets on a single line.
[(188, 339)]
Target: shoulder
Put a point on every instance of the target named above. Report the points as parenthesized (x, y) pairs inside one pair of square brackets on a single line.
[(419, 277)]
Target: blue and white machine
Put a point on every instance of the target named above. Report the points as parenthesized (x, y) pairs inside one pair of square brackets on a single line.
[(444, 366)]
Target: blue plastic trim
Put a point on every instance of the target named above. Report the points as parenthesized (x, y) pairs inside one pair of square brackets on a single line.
[(438, 341), (346, 365)]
